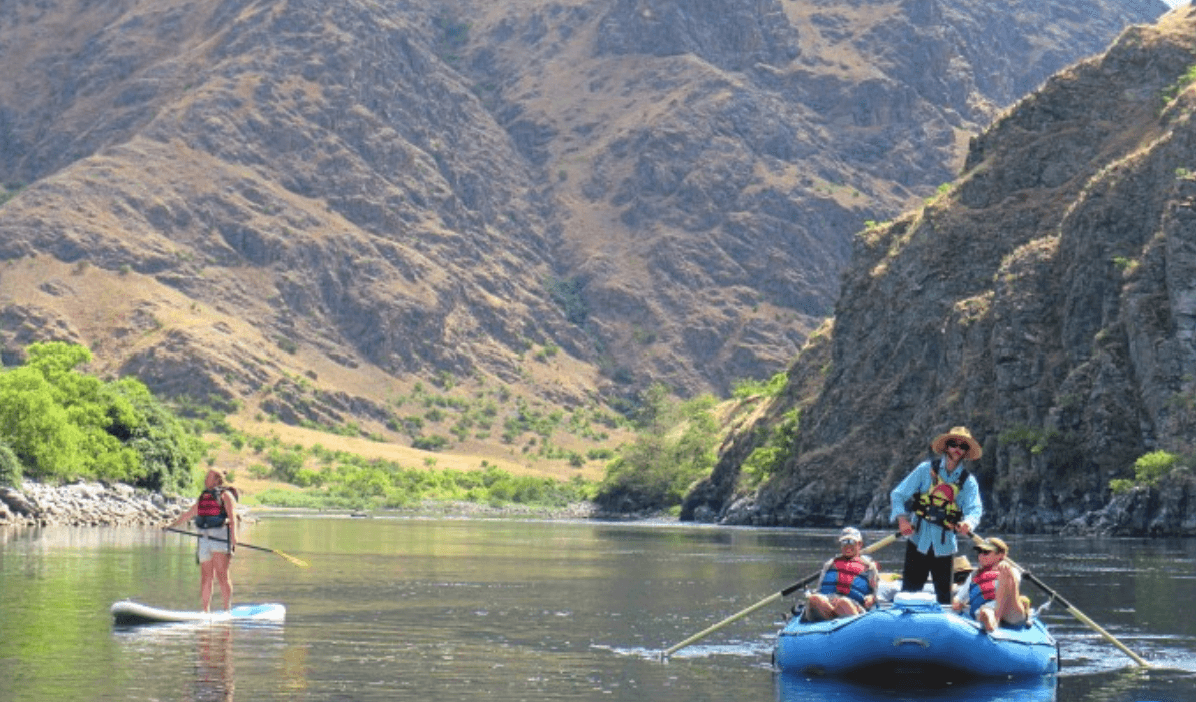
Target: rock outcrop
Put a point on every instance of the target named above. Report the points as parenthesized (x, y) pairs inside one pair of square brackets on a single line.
[(1047, 301)]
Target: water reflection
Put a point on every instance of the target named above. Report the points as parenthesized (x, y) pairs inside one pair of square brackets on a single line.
[(797, 688), (205, 648), (214, 675), (208, 650)]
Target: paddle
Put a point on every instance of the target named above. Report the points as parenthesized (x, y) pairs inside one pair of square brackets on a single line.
[(1071, 608), (299, 562), (769, 600)]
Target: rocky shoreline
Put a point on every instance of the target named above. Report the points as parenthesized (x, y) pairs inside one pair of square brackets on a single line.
[(1139, 512), (86, 504), (98, 504)]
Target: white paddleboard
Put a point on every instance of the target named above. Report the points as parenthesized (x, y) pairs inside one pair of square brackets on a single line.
[(127, 613)]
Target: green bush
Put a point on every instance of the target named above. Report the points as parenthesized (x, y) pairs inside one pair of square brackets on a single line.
[(63, 424), (10, 467), (167, 448), (285, 464), (766, 459), (434, 442), (1154, 465), (1148, 470), (357, 483), (745, 389)]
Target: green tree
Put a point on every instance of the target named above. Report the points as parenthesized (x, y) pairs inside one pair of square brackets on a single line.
[(10, 467), (168, 448), (674, 448), (36, 426), (63, 424)]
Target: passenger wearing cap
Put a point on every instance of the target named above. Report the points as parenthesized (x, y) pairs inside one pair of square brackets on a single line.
[(848, 583), (937, 500), (993, 591)]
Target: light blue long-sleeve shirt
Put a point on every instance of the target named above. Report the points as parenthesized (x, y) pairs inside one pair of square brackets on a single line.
[(929, 536)]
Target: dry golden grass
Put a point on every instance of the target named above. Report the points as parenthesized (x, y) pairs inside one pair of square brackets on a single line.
[(464, 458)]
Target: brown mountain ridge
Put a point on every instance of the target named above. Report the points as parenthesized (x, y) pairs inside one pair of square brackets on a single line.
[(308, 207)]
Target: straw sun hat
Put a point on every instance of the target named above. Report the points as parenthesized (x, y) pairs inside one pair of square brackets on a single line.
[(939, 445)]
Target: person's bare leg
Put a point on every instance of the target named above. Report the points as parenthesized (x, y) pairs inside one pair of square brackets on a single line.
[(845, 607), (1008, 599), (987, 619), (206, 574), (819, 609), (220, 563)]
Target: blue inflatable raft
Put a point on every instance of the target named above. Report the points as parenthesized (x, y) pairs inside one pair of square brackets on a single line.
[(914, 636)]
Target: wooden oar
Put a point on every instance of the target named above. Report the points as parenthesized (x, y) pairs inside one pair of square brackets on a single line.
[(297, 561), (1071, 608), (769, 600)]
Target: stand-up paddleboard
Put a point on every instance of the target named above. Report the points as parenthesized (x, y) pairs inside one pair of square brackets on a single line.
[(126, 613)]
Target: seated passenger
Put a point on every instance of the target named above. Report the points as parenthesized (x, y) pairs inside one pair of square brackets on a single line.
[(961, 569), (992, 592), (848, 583)]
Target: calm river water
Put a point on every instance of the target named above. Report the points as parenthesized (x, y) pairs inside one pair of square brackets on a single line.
[(457, 609)]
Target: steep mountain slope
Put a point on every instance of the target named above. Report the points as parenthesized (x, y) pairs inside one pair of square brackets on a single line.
[(1047, 301), (308, 206)]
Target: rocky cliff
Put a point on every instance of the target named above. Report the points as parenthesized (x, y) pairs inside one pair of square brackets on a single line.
[(1047, 300), (305, 205)]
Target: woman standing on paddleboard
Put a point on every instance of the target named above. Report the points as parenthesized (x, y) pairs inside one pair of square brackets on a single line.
[(215, 515)]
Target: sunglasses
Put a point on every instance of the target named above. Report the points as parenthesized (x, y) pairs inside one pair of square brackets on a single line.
[(952, 443), (985, 550)]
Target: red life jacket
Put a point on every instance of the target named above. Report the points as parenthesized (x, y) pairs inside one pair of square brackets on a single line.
[(983, 588), (847, 577), (210, 510)]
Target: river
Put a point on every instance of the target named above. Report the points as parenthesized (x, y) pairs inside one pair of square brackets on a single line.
[(452, 609)]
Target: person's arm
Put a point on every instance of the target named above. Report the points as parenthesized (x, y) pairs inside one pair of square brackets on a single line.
[(230, 509), (873, 574), (969, 502), (184, 517), (873, 583), (961, 595), (904, 491)]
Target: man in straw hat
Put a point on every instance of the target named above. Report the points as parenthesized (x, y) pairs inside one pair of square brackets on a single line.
[(992, 592), (937, 500), (848, 583)]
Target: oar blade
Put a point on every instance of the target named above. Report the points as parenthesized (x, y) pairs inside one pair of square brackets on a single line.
[(297, 561)]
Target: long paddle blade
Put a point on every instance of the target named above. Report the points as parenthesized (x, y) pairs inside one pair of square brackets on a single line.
[(297, 561), (1075, 612), (768, 600)]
